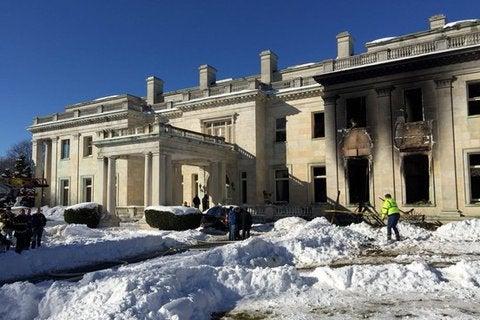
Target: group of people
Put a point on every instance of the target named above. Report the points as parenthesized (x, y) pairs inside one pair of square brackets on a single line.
[(26, 228), (239, 223)]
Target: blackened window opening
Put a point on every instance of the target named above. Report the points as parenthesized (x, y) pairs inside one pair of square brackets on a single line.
[(417, 179), (358, 175), (413, 105), (356, 112)]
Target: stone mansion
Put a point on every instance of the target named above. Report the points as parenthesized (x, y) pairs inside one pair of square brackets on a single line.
[(402, 118)]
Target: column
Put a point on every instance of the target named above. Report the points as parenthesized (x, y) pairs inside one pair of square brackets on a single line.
[(53, 180), (331, 151), (445, 151), (148, 180), (37, 152), (111, 186), (383, 152), (168, 186)]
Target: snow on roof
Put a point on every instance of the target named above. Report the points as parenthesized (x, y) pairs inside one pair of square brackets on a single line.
[(452, 24), (301, 65), (380, 40), (107, 97)]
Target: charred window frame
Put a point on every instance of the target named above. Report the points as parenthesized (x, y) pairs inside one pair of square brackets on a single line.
[(358, 180), (413, 104), (416, 175), (356, 112), (281, 129), (318, 125), (474, 174), (319, 177), (282, 185), (473, 98)]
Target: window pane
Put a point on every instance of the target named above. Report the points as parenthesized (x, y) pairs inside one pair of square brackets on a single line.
[(319, 125), (319, 171), (474, 90)]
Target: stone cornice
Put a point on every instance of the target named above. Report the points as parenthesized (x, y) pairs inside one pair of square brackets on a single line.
[(78, 122)]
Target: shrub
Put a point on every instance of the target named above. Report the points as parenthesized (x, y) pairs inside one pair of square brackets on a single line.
[(166, 220), (89, 215)]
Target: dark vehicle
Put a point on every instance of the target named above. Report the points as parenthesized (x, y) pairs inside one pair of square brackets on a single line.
[(215, 218)]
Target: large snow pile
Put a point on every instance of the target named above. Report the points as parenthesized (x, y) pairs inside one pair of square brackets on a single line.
[(289, 270)]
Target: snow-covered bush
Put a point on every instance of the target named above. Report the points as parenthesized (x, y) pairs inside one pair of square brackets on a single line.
[(173, 218), (84, 213)]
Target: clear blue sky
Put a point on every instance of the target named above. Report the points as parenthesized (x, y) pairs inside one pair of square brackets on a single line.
[(56, 53)]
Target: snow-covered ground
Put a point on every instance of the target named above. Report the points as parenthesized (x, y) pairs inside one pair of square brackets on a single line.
[(293, 269)]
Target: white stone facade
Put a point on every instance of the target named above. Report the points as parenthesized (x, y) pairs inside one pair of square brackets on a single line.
[(401, 118)]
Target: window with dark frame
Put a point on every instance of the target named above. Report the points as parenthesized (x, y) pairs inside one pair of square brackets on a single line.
[(243, 181), (474, 173), (65, 149), (87, 189), (65, 188), (281, 130), (319, 184), (282, 182), (319, 125), (474, 98), (87, 146)]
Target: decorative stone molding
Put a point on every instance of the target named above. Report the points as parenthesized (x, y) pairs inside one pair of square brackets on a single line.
[(445, 83)]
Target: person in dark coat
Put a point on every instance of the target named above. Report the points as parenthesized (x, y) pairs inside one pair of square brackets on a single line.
[(232, 223), (205, 202), (28, 236), (38, 223), (196, 201), (245, 223), (20, 225)]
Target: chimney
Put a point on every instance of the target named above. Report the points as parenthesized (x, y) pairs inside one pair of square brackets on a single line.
[(208, 76), (154, 90), (437, 21), (268, 65), (344, 45)]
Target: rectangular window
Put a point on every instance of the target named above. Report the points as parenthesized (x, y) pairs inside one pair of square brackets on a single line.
[(64, 192), (282, 182), (319, 184), (87, 189), (474, 98), (281, 130), (219, 128), (243, 182), (356, 111), (65, 149), (413, 105), (87, 146), (474, 171), (319, 125)]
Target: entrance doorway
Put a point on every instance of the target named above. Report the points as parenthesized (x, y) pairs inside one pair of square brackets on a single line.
[(358, 179)]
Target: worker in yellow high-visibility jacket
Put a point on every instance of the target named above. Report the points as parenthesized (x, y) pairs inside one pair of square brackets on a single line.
[(391, 211)]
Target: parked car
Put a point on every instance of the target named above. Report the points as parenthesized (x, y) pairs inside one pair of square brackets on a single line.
[(215, 217)]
